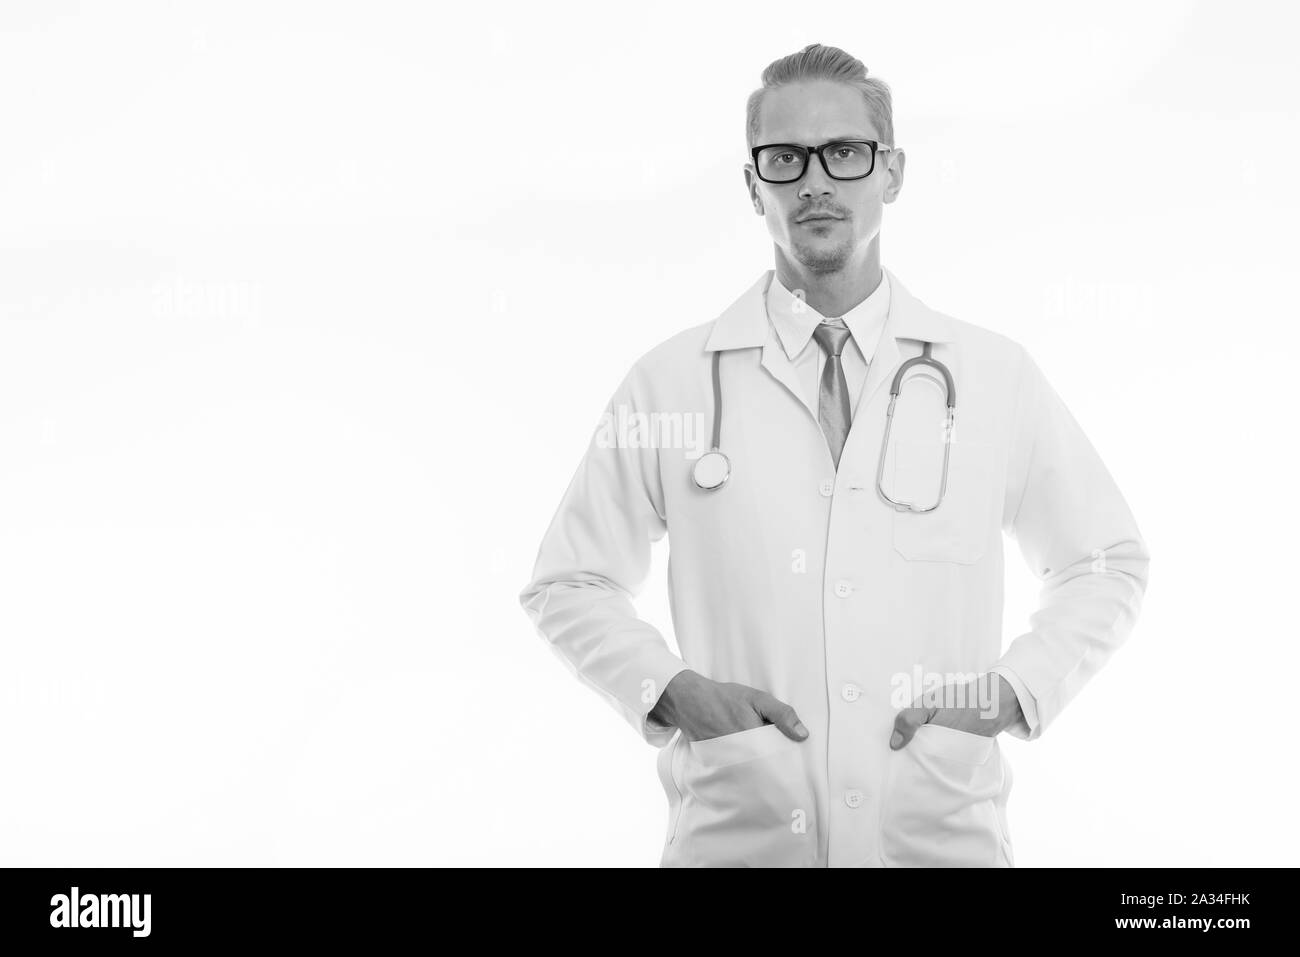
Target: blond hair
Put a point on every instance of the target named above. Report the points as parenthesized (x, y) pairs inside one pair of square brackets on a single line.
[(818, 62)]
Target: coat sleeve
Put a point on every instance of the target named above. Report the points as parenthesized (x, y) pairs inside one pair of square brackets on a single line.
[(594, 559), (1080, 540)]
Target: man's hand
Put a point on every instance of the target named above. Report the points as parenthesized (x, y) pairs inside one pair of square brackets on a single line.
[(1003, 705), (709, 709)]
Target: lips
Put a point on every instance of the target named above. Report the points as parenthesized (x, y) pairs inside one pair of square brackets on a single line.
[(818, 217)]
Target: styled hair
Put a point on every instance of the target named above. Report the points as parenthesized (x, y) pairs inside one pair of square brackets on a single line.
[(818, 62)]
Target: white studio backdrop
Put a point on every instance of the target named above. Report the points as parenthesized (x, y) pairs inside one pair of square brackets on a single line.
[(307, 313)]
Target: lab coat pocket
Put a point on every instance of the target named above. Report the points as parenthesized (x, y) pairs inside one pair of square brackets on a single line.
[(746, 801), (960, 528), (944, 802)]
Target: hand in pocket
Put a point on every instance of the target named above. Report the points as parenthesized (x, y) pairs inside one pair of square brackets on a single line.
[(983, 707), (706, 709)]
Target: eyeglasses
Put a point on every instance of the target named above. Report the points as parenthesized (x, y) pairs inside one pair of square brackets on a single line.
[(842, 159)]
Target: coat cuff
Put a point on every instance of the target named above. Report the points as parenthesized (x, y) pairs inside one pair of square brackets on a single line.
[(665, 671), (1027, 728)]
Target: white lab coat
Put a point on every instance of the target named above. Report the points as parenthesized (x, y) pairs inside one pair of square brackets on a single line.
[(801, 581)]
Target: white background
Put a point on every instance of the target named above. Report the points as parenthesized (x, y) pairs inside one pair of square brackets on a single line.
[(307, 312)]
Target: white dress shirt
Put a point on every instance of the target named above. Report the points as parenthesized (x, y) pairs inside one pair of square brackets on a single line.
[(794, 321)]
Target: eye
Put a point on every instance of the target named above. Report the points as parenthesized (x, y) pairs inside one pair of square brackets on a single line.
[(784, 158)]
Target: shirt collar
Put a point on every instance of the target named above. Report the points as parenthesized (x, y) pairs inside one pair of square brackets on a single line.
[(745, 323), (795, 320)]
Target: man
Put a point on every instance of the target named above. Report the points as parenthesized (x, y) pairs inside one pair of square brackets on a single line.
[(837, 598)]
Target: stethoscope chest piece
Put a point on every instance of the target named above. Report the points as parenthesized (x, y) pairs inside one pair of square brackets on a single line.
[(712, 469)]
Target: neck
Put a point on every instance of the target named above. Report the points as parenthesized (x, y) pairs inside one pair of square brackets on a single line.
[(833, 294)]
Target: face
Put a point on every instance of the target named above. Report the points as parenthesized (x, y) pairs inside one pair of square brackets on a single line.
[(827, 225)]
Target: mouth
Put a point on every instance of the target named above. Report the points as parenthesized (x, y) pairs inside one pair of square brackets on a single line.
[(819, 218)]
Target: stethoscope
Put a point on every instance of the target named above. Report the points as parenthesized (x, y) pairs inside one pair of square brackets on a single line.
[(713, 468)]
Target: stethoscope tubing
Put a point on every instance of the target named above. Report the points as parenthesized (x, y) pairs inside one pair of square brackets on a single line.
[(925, 358)]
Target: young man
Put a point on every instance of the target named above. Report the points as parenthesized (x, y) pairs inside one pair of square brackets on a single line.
[(836, 573)]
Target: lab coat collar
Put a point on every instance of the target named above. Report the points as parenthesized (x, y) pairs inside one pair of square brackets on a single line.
[(744, 324)]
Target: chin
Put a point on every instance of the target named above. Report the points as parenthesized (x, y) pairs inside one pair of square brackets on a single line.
[(822, 259)]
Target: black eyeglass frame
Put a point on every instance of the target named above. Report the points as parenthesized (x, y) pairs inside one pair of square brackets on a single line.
[(817, 151)]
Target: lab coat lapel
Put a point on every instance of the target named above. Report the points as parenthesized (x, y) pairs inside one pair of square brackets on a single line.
[(880, 368), (779, 366), (908, 318), (911, 320), (745, 325)]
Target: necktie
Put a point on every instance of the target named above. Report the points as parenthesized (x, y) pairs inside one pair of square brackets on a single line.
[(833, 401)]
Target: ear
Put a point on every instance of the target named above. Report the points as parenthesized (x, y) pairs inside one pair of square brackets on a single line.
[(894, 183), (751, 184)]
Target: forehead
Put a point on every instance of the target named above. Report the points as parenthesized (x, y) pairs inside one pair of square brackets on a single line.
[(813, 112)]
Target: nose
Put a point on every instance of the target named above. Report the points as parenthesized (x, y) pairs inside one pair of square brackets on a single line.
[(815, 182)]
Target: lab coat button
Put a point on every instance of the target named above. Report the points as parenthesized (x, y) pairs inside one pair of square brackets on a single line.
[(843, 589), (827, 488), (850, 692), (853, 798)]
